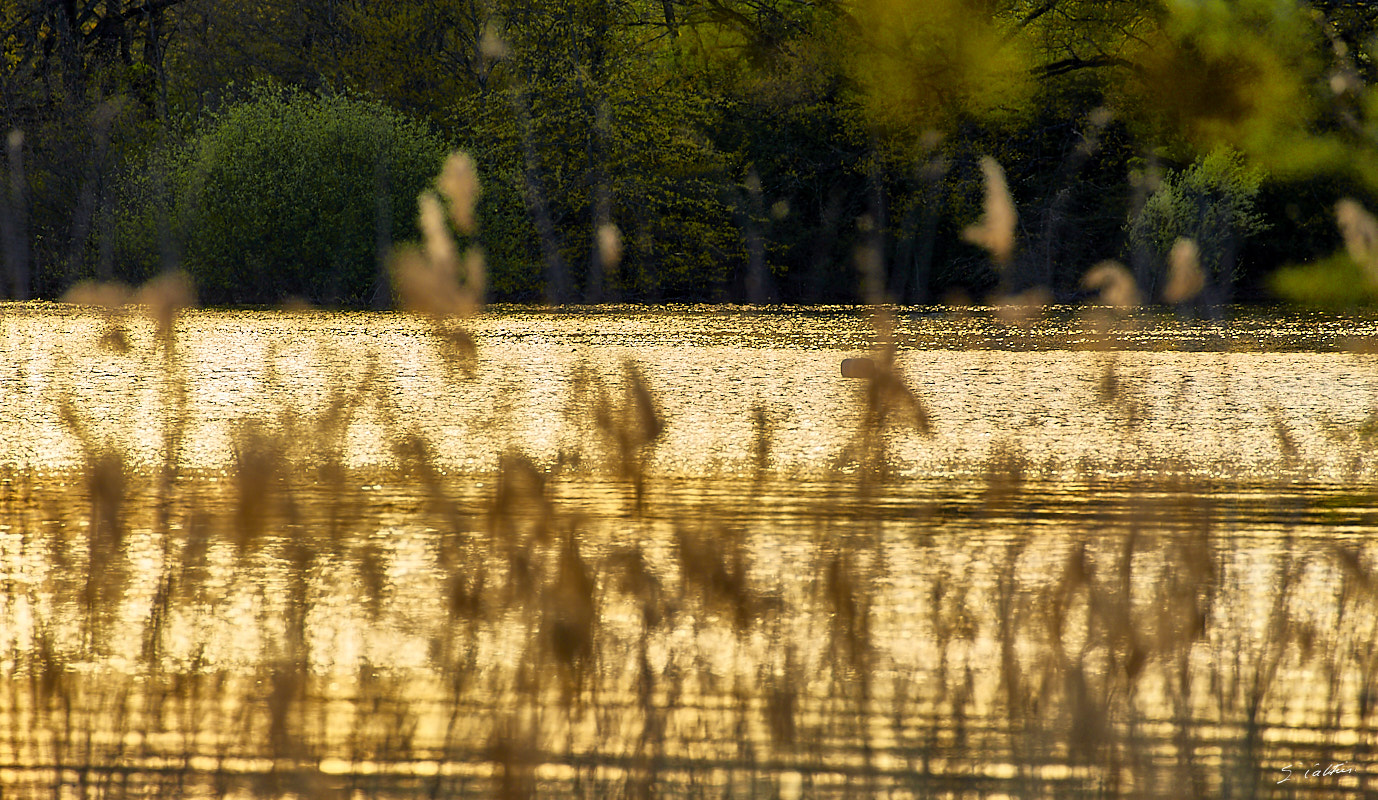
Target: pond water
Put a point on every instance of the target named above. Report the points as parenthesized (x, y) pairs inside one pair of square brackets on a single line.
[(1255, 398), (673, 552)]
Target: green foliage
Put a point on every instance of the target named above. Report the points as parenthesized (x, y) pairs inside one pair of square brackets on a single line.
[(284, 195), (589, 126), (673, 196), (1212, 202), (488, 130), (1334, 282), (81, 84), (719, 137)]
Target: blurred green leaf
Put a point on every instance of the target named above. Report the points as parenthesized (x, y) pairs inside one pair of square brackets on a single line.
[(1334, 282)]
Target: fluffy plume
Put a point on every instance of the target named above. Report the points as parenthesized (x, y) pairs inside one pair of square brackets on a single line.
[(431, 287), (609, 245), (458, 182), (436, 279), (995, 231), (1115, 284), (1360, 231), (166, 295), (440, 245), (491, 45), (1184, 277), (95, 293)]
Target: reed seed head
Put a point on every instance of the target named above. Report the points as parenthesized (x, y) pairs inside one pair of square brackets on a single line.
[(426, 287), (995, 231), (436, 280), (609, 246), (107, 295), (1360, 232), (491, 45), (165, 296), (1115, 284), (440, 245), (458, 182), (1184, 278)]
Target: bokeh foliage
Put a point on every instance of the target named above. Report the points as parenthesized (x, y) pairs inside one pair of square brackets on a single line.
[(926, 66)]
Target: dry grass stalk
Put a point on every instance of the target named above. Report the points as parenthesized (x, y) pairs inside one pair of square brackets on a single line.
[(849, 603), (714, 568), (162, 298), (889, 397), (887, 404), (436, 280), (1007, 469), (259, 461), (110, 298), (107, 295), (512, 751), (424, 287), (782, 699), (628, 423), (522, 511), (570, 615), (1106, 632), (106, 477), (761, 436), (1282, 432)]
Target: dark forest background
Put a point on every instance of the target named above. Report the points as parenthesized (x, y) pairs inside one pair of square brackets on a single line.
[(745, 150)]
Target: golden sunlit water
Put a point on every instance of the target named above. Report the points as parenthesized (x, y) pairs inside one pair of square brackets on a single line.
[(673, 552), (1224, 388)]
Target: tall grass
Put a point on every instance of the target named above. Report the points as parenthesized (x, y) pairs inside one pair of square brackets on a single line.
[(310, 628)]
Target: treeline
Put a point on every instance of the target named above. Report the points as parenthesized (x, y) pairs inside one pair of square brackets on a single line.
[(754, 150)]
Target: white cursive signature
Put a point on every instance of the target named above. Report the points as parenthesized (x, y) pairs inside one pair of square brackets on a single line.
[(1316, 771)]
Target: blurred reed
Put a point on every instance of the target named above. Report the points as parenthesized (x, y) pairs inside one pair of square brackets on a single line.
[(432, 634)]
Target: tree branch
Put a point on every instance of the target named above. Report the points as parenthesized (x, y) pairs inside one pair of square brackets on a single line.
[(1029, 18), (1075, 63)]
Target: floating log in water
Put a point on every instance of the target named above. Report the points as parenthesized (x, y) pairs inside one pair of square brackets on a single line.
[(858, 368)]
